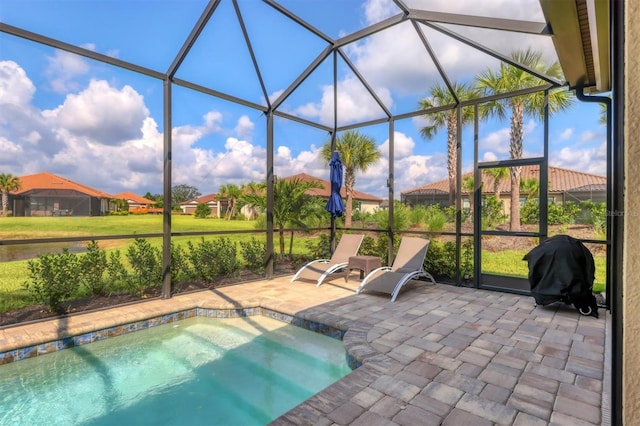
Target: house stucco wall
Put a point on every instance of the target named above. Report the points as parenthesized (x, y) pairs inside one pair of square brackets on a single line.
[(369, 206), (631, 245)]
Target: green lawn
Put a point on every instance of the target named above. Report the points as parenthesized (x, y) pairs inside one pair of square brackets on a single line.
[(49, 227)]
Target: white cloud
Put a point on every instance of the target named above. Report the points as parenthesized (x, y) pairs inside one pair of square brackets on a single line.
[(566, 134), (102, 113), (497, 141), (245, 127), (403, 146), (212, 120), (377, 10), (589, 135), (9, 151), (489, 156), (63, 68), (593, 160), (15, 86), (355, 103)]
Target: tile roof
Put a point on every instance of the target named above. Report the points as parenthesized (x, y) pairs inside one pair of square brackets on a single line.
[(205, 199), (325, 190), (47, 180), (560, 180), (131, 197)]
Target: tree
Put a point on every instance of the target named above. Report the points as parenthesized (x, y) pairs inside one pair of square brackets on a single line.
[(291, 204), (511, 78), (181, 193), (158, 198), (468, 184), (497, 174), (440, 96), (231, 192), (530, 188), (357, 153), (8, 183), (247, 188)]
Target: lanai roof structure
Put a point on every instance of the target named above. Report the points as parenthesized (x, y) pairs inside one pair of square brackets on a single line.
[(144, 86)]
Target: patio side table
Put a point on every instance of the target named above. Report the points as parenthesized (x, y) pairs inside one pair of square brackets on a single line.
[(365, 264)]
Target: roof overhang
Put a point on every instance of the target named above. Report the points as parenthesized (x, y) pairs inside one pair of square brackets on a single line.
[(581, 38)]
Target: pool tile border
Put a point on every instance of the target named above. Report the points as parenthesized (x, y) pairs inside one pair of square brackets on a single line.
[(117, 330)]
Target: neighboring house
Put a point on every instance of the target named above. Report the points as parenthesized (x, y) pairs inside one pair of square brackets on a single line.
[(137, 204), (366, 203), (213, 201), (46, 194), (564, 185)]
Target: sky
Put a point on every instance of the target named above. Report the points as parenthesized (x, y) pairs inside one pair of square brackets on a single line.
[(102, 126)]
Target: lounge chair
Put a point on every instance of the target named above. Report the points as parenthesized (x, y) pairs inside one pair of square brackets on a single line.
[(318, 270), (407, 265)]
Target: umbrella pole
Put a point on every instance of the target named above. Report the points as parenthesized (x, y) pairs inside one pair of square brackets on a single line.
[(332, 244)]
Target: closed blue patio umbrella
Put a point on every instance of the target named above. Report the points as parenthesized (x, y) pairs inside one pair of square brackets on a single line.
[(334, 204)]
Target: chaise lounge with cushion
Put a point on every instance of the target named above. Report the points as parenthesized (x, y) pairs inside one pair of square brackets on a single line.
[(318, 270), (408, 265)]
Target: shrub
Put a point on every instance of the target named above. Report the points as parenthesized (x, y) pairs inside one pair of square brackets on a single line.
[(210, 259), (226, 257), (180, 268), (261, 222), (202, 211), (369, 247), (441, 259), (418, 215), (116, 272), (558, 214), (492, 212), (54, 278), (254, 253), (146, 265), (320, 249), (401, 217), (467, 259), (92, 266), (436, 219), (596, 217), (202, 257)]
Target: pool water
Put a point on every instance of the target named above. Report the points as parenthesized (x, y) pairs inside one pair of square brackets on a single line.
[(237, 371)]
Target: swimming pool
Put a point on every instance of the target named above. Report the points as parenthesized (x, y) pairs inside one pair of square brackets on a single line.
[(236, 371)]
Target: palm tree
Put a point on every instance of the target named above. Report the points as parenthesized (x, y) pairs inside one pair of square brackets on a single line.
[(497, 174), (249, 188), (290, 204), (511, 78), (468, 184), (530, 188), (8, 183), (357, 152), (440, 96), (603, 114), (231, 192)]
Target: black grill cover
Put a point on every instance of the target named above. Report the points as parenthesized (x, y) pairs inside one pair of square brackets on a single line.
[(562, 269)]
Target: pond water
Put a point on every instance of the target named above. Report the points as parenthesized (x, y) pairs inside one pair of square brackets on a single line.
[(31, 251)]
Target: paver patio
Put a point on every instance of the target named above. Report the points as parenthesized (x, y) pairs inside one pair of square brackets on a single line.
[(438, 355)]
